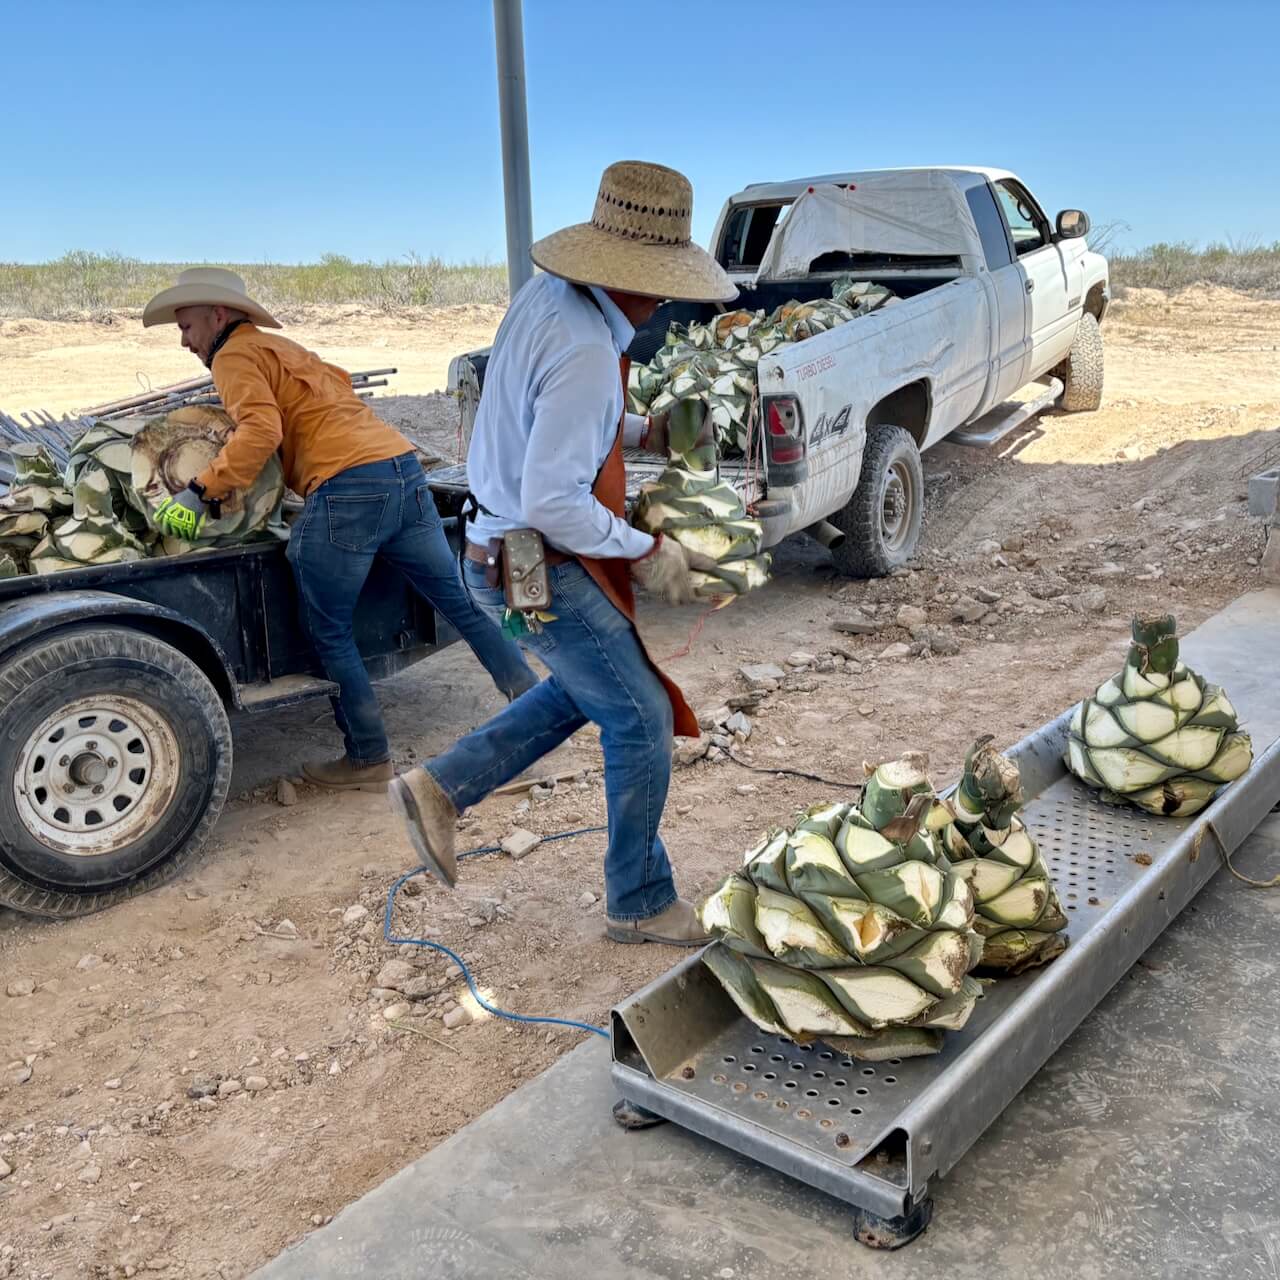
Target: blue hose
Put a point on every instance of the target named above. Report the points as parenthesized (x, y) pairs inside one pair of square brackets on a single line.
[(457, 959)]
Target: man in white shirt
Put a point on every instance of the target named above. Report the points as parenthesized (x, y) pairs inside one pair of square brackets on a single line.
[(546, 454)]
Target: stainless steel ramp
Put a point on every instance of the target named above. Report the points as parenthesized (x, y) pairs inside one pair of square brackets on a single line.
[(875, 1135)]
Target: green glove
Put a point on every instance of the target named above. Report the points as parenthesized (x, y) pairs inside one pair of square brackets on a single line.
[(182, 516)]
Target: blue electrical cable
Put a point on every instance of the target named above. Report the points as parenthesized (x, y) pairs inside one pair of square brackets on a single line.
[(457, 959)]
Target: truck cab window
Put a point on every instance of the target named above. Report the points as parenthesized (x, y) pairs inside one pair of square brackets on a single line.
[(747, 234), (1027, 224), (991, 229)]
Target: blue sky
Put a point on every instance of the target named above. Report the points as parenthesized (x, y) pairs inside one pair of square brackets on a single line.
[(280, 130)]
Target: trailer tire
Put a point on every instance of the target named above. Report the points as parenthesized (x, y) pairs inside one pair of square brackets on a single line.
[(881, 522), (1081, 372), (115, 760)]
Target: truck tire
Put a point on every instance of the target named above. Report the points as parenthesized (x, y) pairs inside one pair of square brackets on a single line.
[(1081, 371), (115, 759), (881, 522)]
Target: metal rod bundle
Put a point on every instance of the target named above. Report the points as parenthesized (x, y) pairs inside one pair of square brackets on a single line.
[(200, 391)]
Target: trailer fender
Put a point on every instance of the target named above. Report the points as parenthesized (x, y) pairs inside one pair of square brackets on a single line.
[(37, 616)]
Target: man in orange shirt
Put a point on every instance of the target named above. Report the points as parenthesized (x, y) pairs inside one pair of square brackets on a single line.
[(366, 496)]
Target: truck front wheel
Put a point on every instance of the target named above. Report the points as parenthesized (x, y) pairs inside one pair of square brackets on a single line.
[(1081, 371), (115, 759), (881, 522)]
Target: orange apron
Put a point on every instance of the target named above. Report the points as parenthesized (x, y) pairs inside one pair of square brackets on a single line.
[(613, 577)]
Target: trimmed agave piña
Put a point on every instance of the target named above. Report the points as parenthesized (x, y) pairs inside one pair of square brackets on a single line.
[(167, 452), (861, 296), (801, 320), (1157, 734), (32, 464), (716, 362), (99, 518), (36, 498), (1018, 911), (691, 504), (852, 927)]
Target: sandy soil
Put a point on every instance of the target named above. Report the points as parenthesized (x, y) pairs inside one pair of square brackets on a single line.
[(63, 366), (254, 969)]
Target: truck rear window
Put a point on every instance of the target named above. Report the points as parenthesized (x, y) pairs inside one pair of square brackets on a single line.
[(746, 235)]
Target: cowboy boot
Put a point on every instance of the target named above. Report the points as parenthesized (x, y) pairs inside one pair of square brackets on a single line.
[(429, 819), (677, 926), (344, 774)]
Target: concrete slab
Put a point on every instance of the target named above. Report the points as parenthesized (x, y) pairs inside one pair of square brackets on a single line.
[(1144, 1148)]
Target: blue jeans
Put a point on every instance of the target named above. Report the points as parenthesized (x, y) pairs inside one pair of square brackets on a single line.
[(382, 509), (598, 673)]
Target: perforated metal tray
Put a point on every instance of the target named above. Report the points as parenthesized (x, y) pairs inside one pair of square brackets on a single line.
[(875, 1134)]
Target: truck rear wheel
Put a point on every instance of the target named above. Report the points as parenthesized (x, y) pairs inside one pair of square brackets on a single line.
[(881, 522), (115, 759), (1081, 371)]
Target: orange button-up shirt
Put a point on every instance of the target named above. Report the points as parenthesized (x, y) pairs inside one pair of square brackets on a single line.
[(283, 397)]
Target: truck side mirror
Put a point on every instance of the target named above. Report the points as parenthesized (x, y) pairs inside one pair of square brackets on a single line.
[(1072, 224)]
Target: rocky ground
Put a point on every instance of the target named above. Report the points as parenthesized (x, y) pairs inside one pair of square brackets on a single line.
[(197, 1078)]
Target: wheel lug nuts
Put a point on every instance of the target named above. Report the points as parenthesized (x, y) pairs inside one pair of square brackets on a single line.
[(97, 791), (69, 789), (66, 760), (91, 746), (111, 764)]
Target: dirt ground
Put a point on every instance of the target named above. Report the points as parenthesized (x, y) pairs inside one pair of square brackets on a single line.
[(65, 366), (255, 979)]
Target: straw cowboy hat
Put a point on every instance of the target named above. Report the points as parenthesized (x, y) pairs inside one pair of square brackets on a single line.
[(206, 287), (638, 240)]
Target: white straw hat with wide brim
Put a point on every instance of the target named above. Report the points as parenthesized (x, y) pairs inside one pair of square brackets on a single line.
[(206, 287), (638, 240)]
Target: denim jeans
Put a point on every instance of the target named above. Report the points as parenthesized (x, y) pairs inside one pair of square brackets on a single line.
[(598, 673), (382, 509)]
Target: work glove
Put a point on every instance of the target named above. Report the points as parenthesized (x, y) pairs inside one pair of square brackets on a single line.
[(665, 570), (182, 515)]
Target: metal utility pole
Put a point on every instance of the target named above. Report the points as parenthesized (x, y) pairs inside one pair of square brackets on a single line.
[(508, 30)]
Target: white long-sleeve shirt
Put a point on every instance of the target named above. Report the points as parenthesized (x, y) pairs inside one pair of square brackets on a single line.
[(547, 421)]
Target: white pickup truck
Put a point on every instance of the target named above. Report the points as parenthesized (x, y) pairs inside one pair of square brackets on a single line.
[(996, 318)]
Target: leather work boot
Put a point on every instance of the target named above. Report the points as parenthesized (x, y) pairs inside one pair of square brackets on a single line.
[(344, 775), (430, 820), (677, 926)]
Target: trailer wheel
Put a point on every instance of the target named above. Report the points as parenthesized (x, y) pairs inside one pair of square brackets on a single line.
[(882, 520), (1081, 371), (115, 759)]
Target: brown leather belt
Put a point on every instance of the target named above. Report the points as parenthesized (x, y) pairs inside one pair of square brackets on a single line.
[(480, 555)]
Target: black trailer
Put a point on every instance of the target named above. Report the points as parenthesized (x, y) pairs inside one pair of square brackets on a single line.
[(117, 685)]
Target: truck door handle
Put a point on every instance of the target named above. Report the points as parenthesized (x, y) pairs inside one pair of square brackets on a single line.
[(1031, 286)]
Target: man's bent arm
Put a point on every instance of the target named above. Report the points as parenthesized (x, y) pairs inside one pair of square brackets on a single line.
[(251, 404), (560, 462)]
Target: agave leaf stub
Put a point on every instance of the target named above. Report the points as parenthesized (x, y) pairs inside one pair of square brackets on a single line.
[(891, 791), (739, 981), (1155, 644)]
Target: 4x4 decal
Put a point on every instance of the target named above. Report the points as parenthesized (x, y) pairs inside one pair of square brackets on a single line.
[(829, 426)]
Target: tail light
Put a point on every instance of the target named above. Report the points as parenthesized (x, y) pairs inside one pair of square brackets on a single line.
[(786, 431)]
